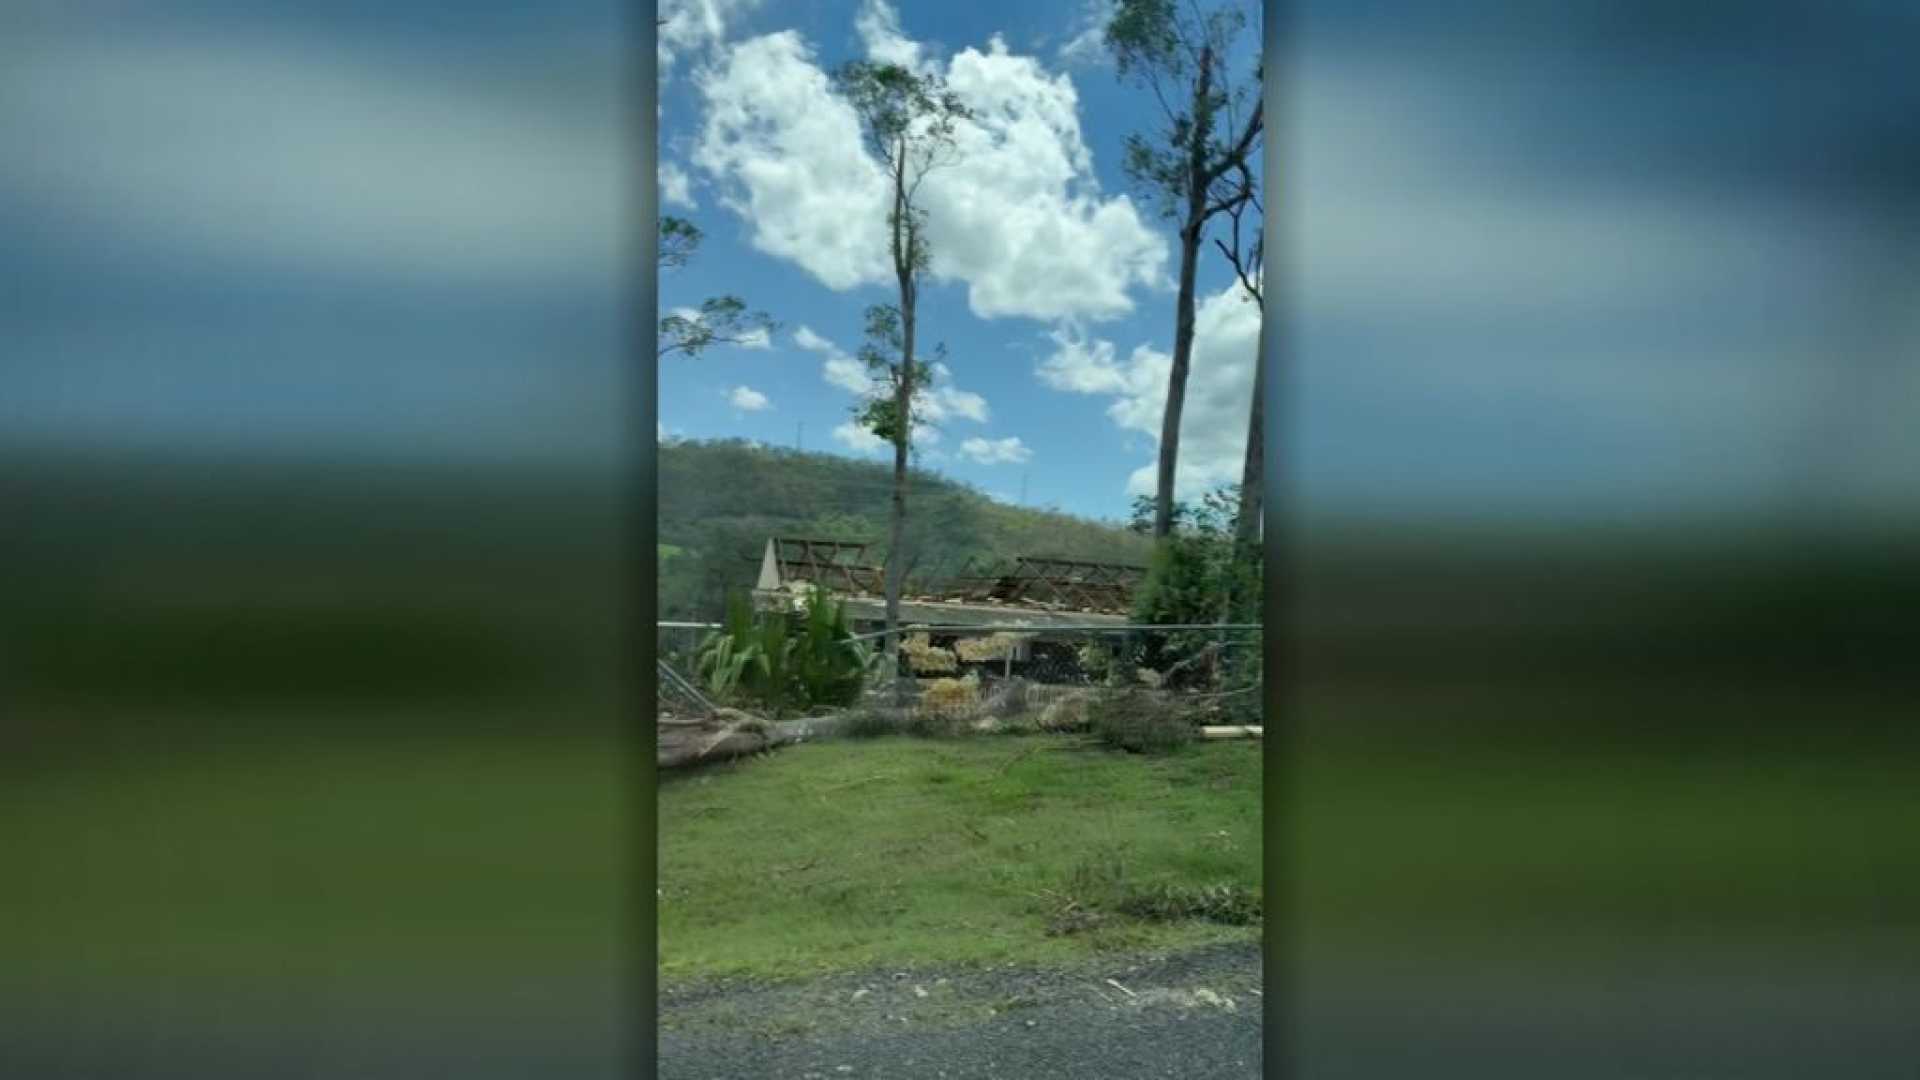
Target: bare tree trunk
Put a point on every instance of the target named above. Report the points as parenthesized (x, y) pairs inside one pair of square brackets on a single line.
[(1253, 473), (1253, 476), (896, 570), (1176, 385), (1190, 231), (903, 260)]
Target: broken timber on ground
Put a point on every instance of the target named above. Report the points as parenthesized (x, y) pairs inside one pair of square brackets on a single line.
[(729, 733)]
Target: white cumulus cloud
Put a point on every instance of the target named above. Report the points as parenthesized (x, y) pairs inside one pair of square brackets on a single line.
[(1010, 450), (944, 401), (806, 338), (747, 399), (879, 28), (937, 404), (1088, 43), (788, 155), (1019, 218), (847, 373), (858, 439), (836, 367), (692, 27), (676, 187), (1213, 423)]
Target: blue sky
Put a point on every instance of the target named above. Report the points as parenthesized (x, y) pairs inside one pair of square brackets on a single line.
[(1054, 270), (1583, 260)]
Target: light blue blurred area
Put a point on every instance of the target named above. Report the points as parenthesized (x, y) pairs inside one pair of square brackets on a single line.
[(403, 230), (1570, 261), (1587, 261)]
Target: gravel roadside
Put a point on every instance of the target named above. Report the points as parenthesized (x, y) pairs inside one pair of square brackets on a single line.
[(1195, 1015)]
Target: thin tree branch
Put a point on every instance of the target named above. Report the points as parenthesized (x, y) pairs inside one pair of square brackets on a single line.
[(1233, 257), (1153, 83), (1228, 204), (1241, 147), (1186, 37), (1247, 266)]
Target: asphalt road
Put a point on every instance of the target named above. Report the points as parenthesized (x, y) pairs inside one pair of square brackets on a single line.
[(1194, 1015)]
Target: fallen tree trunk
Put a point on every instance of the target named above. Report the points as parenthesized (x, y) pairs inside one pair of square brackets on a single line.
[(1232, 731), (730, 733)]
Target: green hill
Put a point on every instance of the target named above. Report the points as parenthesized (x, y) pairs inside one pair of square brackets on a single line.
[(721, 500)]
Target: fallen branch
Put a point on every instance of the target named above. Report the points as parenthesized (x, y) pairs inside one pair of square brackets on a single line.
[(740, 722), (728, 733), (1232, 731)]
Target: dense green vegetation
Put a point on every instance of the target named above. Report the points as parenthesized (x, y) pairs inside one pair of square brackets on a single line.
[(1200, 573), (720, 501), (782, 662)]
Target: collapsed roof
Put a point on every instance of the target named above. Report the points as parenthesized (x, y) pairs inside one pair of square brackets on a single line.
[(1034, 582)]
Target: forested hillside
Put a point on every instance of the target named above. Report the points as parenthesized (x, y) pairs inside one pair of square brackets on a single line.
[(720, 501)]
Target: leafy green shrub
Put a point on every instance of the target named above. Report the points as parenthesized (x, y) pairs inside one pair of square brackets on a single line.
[(829, 666), (764, 659), (1199, 575), (1141, 723), (1112, 659)]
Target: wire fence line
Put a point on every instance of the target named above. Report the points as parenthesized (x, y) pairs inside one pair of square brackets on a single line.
[(1099, 628), (1046, 676)]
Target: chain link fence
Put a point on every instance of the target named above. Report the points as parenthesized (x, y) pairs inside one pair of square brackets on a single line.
[(678, 647), (1016, 676)]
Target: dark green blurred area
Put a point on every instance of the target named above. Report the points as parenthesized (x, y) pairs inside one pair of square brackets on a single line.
[(1599, 802), (1650, 730), (1608, 634), (236, 587), (321, 763)]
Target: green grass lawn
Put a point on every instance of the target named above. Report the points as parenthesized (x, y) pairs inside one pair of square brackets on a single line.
[(902, 852)]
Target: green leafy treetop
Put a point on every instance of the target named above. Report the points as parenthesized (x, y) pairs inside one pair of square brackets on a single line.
[(720, 320), (679, 239)]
